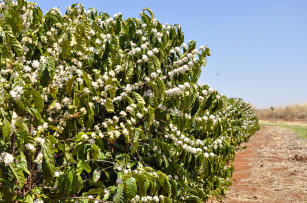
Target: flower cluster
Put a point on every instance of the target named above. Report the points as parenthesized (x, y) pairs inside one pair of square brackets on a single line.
[(6, 158), (178, 90), (156, 198)]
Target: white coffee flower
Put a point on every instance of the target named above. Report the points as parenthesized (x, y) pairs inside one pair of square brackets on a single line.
[(90, 104), (125, 131), (98, 41), (139, 32), (91, 141), (30, 147), (144, 58), (35, 64), (14, 95), (118, 68), (144, 46), (115, 118), (184, 45), (84, 136), (66, 100), (40, 141), (39, 158), (38, 201), (119, 181), (7, 158), (153, 75), (95, 85), (139, 115), (83, 110), (138, 49), (27, 68), (16, 92), (112, 73), (155, 50), (86, 90), (150, 53), (195, 51), (56, 174), (92, 49)]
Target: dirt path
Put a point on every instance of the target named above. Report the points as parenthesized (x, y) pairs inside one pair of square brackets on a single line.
[(273, 168)]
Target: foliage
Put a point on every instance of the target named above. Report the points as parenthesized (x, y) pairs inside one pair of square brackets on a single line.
[(109, 109)]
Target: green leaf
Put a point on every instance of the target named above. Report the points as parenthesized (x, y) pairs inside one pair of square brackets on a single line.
[(151, 113), (207, 51), (162, 87), (118, 26), (23, 163), (83, 165), (135, 143), (28, 199), (69, 85), (47, 72), (14, 43), (90, 120), (146, 185), (119, 194), (192, 45), (109, 105), (132, 28), (70, 182), (14, 20), (131, 188), (167, 187), (37, 100), (95, 152), (48, 161), (34, 112), (138, 97), (96, 175), (6, 129), (18, 173), (22, 129)]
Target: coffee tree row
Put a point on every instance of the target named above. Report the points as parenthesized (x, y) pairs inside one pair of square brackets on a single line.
[(97, 108)]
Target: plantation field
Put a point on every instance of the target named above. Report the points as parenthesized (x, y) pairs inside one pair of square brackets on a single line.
[(272, 167)]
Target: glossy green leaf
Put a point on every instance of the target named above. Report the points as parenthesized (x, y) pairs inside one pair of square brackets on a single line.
[(109, 105), (131, 188), (6, 129)]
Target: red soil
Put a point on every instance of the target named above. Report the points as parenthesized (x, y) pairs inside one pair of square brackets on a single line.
[(273, 168)]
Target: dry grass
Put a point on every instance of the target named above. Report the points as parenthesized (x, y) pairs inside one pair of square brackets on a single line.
[(300, 128), (296, 112)]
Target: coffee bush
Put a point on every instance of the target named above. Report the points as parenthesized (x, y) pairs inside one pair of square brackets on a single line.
[(97, 108)]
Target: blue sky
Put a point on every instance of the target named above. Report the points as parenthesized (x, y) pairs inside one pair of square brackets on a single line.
[(258, 47)]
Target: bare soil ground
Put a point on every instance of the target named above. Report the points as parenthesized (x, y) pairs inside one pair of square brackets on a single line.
[(273, 168)]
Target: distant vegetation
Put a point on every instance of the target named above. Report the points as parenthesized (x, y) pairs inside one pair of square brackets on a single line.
[(296, 112)]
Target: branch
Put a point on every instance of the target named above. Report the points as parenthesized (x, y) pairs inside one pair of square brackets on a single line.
[(13, 139), (102, 161), (99, 200)]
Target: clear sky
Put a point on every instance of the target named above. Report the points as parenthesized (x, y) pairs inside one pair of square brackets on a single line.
[(258, 47)]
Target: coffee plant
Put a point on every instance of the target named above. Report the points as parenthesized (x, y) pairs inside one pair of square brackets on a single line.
[(96, 108)]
